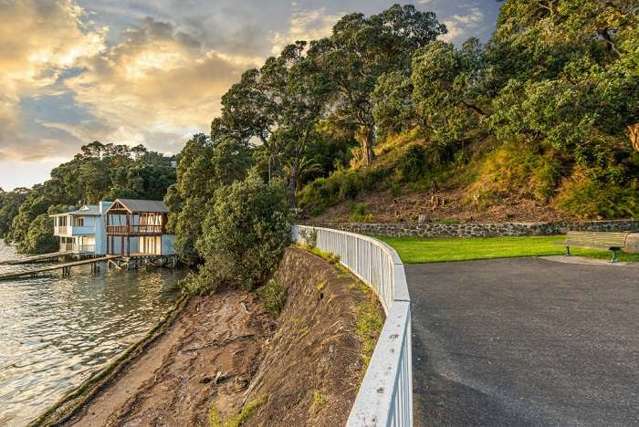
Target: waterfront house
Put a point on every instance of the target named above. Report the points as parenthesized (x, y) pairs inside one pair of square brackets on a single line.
[(82, 231), (138, 227)]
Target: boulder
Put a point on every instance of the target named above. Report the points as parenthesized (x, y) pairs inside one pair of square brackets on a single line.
[(632, 243)]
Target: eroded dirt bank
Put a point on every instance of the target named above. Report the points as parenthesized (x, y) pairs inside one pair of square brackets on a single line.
[(225, 360), (212, 350), (315, 362)]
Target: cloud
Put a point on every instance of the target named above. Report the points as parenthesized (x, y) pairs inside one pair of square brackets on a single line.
[(157, 80), (461, 26), (40, 40), (304, 25)]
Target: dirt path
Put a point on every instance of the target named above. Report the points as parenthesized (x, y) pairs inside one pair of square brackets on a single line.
[(211, 351)]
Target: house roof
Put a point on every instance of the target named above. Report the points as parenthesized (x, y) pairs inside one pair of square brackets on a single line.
[(86, 210), (139, 206)]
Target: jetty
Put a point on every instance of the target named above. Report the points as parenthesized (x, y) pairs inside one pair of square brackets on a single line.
[(39, 258), (65, 268)]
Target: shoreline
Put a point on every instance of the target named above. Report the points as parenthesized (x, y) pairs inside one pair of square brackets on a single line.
[(74, 400)]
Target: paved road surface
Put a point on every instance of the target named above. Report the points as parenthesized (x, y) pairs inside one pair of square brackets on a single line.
[(525, 342)]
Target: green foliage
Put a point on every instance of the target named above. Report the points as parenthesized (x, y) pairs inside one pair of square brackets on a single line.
[(515, 170), (237, 420), (555, 91), (413, 163), (447, 94), (273, 296), (309, 238), (204, 165), (586, 197), (393, 108), (39, 238), (10, 203), (359, 51), (359, 213), (245, 233)]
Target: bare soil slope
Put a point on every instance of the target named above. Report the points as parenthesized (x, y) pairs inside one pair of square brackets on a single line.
[(212, 350), (314, 364), (225, 358)]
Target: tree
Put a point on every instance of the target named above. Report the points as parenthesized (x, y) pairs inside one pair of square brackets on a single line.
[(244, 235), (9, 207), (39, 237), (98, 171), (447, 91), (393, 107), (359, 51), (204, 165)]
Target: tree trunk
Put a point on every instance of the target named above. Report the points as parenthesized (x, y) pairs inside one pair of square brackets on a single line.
[(633, 134), (368, 141), (292, 187)]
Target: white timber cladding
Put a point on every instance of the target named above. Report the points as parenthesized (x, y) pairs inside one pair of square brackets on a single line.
[(385, 397)]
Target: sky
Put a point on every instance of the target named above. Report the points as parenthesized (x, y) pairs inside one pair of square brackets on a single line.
[(151, 72)]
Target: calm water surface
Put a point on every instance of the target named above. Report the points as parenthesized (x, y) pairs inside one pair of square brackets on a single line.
[(55, 332)]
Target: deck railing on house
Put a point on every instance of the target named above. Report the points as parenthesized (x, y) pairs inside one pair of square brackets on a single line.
[(385, 397), (125, 230)]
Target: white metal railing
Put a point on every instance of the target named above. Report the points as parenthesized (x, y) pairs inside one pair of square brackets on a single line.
[(385, 397)]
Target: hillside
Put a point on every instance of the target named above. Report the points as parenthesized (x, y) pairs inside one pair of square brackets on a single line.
[(397, 188), (540, 123)]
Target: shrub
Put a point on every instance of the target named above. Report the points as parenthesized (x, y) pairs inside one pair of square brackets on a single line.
[(515, 169), (245, 234), (585, 197), (309, 237), (39, 239), (359, 213), (273, 296), (412, 164)]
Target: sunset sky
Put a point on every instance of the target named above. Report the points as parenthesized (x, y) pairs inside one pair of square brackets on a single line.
[(150, 72)]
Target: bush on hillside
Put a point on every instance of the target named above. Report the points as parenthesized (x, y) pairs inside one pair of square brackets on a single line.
[(40, 238), (244, 235), (515, 170), (585, 197), (413, 164)]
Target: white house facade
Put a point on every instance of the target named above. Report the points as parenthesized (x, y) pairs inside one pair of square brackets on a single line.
[(82, 231)]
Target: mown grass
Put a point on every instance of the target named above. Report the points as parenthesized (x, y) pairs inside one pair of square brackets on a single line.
[(414, 250)]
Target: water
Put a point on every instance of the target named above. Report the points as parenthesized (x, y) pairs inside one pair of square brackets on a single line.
[(54, 332)]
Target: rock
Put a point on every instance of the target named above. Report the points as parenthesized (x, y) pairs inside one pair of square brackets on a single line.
[(632, 244)]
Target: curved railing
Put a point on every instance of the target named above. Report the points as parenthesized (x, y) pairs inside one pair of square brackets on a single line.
[(385, 397)]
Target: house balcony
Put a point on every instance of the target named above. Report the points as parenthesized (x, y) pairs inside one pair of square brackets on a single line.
[(135, 230), (62, 231), (78, 249), (70, 231)]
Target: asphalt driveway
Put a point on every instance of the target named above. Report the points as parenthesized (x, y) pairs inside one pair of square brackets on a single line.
[(525, 342)]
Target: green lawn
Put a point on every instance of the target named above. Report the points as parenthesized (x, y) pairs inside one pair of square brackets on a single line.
[(414, 250)]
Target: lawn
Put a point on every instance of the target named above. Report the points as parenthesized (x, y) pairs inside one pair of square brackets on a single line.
[(415, 250)]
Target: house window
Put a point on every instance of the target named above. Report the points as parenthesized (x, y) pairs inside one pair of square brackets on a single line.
[(79, 222)]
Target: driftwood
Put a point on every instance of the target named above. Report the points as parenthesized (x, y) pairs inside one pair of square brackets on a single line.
[(633, 134)]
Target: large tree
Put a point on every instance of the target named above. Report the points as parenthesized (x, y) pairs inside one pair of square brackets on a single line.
[(359, 51)]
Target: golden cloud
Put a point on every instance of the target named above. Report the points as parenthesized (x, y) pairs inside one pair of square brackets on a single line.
[(157, 80), (305, 25), (40, 39)]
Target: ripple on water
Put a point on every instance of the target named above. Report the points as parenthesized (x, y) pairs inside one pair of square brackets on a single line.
[(54, 332)]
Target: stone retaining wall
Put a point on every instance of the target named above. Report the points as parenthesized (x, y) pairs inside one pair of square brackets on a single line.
[(431, 229)]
